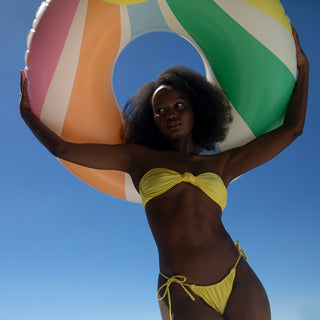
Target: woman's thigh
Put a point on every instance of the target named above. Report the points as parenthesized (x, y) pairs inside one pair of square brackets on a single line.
[(248, 299), (183, 308)]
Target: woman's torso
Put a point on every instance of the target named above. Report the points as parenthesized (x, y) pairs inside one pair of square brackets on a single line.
[(186, 223)]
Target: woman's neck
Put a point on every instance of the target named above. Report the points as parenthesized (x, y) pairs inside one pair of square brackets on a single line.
[(184, 145)]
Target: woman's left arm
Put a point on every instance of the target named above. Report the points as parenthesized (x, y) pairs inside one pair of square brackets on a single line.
[(267, 146)]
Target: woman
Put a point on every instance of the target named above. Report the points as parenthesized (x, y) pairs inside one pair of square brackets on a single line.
[(184, 193)]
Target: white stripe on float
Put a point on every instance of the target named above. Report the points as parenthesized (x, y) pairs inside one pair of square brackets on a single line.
[(268, 31), (131, 192), (125, 28), (125, 39), (239, 133), (57, 100)]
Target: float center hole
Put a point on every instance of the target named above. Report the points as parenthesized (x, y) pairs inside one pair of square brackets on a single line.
[(143, 59)]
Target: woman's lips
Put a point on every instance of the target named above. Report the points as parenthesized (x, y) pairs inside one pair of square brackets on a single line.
[(173, 125)]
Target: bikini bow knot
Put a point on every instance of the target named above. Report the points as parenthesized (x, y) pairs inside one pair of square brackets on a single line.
[(174, 279), (188, 177)]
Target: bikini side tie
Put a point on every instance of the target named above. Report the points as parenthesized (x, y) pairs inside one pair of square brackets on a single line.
[(174, 279), (179, 279), (240, 249)]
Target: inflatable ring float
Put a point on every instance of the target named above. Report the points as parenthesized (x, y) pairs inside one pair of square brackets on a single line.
[(246, 46)]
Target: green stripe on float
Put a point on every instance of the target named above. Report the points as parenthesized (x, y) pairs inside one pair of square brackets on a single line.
[(258, 84)]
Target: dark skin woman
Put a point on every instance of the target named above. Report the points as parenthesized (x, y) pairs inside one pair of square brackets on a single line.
[(185, 221)]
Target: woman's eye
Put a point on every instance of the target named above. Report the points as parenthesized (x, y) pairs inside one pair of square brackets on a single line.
[(160, 111), (180, 105)]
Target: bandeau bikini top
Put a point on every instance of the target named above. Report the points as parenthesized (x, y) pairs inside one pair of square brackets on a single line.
[(159, 180)]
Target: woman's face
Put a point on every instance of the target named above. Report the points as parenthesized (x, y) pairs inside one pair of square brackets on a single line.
[(173, 112)]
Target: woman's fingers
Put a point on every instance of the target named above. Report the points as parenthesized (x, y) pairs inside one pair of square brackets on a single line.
[(22, 80), (24, 99), (301, 57)]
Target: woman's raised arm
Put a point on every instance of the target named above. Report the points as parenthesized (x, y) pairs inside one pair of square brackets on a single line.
[(267, 146), (98, 156)]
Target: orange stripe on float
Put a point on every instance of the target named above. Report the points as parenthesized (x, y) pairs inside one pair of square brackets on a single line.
[(93, 115)]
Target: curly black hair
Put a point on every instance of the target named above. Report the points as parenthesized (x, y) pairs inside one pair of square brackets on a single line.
[(211, 108)]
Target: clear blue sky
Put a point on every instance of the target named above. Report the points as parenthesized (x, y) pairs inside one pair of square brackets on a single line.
[(69, 252)]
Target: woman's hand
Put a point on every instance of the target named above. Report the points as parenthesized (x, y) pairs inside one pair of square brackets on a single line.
[(302, 60), (24, 98)]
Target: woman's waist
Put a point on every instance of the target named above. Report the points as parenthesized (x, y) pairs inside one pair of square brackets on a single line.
[(199, 262)]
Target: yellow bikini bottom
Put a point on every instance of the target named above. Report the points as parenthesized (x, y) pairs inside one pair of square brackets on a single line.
[(215, 295)]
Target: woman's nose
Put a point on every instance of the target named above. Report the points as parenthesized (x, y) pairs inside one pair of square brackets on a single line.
[(172, 114)]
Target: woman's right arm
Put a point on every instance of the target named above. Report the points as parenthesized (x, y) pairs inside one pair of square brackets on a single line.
[(98, 156)]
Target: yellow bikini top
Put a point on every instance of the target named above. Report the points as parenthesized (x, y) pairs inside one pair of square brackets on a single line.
[(159, 180)]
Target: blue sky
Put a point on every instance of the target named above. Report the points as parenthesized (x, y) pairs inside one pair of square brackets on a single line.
[(70, 252)]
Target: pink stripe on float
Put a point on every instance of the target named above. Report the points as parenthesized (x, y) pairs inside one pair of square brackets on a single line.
[(46, 47)]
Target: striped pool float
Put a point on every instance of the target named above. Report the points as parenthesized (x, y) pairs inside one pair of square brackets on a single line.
[(246, 46)]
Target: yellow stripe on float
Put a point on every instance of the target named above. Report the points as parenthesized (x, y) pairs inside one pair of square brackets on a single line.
[(274, 9)]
